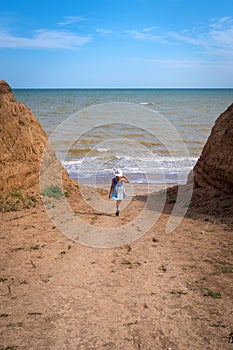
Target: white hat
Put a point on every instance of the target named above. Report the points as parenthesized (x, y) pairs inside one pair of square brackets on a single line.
[(117, 172)]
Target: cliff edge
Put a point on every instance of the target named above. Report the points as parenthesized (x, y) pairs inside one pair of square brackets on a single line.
[(23, 141), (215, 165)]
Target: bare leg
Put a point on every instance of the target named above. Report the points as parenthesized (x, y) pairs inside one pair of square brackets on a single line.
[(118, 207), (118, 204)]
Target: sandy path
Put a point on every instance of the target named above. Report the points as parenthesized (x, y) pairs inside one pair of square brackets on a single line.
[(58, 294)]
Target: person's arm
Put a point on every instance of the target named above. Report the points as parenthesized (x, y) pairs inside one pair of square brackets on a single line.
[(125, 178), (111, 188)]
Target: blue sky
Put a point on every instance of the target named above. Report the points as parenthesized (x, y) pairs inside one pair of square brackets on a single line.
[(116, 43)]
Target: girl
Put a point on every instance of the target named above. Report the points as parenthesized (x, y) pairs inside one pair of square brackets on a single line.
[(117, 190)]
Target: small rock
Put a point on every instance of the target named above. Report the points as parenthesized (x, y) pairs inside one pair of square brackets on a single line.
[(163, 268)]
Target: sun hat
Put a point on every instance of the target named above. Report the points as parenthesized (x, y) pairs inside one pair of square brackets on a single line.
[(117, 172)]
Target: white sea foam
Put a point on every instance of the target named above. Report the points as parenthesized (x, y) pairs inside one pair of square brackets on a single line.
[(171, 169), (102, 149), (146, 103)]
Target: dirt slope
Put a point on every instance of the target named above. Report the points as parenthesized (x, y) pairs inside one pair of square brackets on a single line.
[(215, 165)]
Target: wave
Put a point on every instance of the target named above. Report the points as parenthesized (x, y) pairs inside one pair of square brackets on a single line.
[(146, 103), (168, 168)]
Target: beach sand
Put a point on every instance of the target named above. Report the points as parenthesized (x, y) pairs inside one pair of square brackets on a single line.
[(163, 291)]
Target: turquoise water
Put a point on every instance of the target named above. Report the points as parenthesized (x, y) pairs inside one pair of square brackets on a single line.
[(138, 151)]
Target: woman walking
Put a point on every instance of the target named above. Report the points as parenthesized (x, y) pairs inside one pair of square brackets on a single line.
[(117, 190)]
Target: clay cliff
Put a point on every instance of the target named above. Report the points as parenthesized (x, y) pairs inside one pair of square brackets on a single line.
[(215, 166), (23, 141)]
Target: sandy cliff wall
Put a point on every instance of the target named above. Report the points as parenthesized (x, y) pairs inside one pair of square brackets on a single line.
[(22, 143), (215, 165)]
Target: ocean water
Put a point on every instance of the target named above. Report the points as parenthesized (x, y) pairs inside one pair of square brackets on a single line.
[(153, 135)]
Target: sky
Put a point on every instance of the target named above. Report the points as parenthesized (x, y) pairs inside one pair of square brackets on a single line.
[(116, 43)]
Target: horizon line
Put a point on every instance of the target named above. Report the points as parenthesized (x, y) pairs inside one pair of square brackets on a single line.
[(120, 88)]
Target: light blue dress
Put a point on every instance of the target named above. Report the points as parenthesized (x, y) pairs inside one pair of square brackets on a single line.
[(118, 192)]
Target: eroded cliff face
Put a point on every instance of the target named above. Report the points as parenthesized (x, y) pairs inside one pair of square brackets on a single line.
[(22, 144), (215, 165)]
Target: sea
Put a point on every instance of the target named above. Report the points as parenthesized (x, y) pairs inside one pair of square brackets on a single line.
[(152, 135)]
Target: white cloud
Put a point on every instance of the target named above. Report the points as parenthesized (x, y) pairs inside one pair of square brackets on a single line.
[(44, 39), (220, 41), (192, 65), (215, 37), (104, 32), (147, 34), (71, 20), (174, 63), (221, 22), (184, 38)]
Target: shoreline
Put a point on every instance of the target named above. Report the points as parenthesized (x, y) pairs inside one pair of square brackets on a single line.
[(131, 189), (149, 179)]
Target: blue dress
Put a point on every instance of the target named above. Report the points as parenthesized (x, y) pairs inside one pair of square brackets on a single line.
[(118, 191)]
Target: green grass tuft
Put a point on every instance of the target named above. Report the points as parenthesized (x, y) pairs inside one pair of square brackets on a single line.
[(15, 200), (172, 200), (179, 292), (53, 191), (36, 247), (215, 295), (3, 279)]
